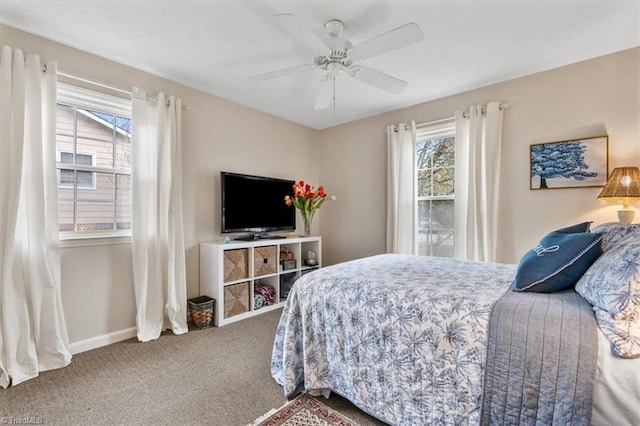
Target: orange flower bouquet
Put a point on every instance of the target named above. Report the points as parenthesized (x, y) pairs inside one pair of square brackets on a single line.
[(307, 200)]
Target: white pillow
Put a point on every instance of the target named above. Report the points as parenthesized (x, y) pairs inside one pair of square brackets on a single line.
[(612, 286), (615, 231)]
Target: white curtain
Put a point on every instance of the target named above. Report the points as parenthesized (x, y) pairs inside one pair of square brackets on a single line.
[(477, 181), (33, 333), (401, 191), (158, 241)]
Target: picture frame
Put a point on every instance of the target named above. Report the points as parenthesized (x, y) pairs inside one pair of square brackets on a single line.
[(573, 163)]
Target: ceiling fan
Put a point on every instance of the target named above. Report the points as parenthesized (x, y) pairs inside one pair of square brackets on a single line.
[(337, 56)]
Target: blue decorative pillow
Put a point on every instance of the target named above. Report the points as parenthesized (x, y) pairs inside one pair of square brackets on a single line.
[(575, 229), (559, 260)]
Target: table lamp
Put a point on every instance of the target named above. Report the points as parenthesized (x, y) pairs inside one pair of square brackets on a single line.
[(623, 186)]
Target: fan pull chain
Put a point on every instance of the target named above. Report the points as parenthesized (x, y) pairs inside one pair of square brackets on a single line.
[(334, 97)]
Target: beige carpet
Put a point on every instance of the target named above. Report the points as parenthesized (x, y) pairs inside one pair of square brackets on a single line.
[(215, 376)]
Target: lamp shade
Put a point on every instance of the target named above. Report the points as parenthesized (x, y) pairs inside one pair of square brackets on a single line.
[(623, 185)]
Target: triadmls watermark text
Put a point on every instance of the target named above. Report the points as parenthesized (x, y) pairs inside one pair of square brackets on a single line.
[(21, 420)]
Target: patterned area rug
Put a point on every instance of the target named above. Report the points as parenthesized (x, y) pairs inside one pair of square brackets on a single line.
[(304, 411)]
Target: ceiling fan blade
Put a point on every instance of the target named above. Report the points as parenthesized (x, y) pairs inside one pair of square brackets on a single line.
[(299, 32), (395, 39), (325, 94), (377, 79), (280, 73)]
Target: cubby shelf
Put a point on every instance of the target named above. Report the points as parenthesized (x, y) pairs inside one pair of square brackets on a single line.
[(230, 272)]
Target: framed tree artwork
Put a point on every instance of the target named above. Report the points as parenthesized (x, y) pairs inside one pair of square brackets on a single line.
[(569, 164)]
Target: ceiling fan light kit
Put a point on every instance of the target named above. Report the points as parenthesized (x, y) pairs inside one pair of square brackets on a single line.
[(340, 55), (334, 27)]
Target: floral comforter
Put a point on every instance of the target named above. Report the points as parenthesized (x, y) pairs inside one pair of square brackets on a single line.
[(402, 337)]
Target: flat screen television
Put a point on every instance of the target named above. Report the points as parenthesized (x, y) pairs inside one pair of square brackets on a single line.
[(255, 204)]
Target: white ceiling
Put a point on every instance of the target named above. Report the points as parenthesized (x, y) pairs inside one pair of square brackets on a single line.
[(215, 45)]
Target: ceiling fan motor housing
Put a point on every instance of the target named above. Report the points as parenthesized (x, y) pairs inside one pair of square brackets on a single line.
[(335, 62)]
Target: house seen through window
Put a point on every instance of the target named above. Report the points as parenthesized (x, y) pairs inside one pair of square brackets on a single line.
[(93, 147), (435, 158), (67, 177)]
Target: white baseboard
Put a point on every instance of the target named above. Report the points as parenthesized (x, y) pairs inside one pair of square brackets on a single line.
[(103, 340)]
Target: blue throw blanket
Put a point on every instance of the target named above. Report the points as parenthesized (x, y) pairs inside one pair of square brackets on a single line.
[(541, 360)]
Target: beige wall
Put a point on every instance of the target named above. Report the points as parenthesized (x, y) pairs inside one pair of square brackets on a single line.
[(97, 281), (596, 97), (591, 98)]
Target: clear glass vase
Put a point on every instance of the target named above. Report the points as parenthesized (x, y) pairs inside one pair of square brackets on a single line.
[(307, 218)]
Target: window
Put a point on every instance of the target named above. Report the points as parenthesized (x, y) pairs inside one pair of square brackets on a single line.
[(93, 142), (435, 161), (66, 177)]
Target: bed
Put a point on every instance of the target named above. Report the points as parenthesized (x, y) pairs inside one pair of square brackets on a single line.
[(406, 338)]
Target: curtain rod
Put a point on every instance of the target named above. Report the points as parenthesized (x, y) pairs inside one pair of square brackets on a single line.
[(483, 110), (502, 106), (104, 86)]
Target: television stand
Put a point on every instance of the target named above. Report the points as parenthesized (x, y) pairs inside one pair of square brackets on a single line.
[(230, 273)]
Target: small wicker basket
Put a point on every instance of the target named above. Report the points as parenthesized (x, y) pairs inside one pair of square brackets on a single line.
[(202, 311)]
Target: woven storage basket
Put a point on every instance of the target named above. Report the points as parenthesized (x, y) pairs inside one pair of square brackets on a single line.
[(202, 310), (236, 299), (236, 264), (265, 261)]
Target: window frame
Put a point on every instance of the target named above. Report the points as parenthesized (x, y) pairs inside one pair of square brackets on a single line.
[(75, 168), (82, 98), (425, 132)]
